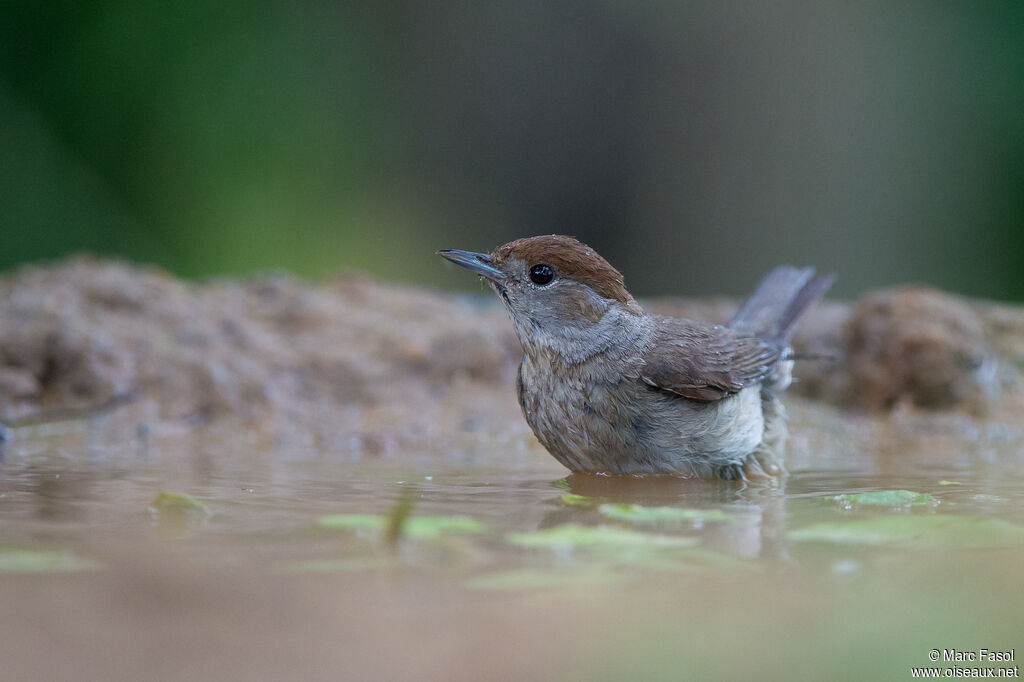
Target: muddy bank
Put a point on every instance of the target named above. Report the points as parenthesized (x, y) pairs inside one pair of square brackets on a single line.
[(366, 367)]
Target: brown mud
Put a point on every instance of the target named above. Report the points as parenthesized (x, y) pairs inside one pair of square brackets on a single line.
[(369, 368)]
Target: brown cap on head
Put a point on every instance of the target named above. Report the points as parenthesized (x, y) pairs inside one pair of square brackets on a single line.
[(570, 258)]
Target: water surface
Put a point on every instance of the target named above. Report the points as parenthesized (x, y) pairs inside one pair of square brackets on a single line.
[(280, 560)]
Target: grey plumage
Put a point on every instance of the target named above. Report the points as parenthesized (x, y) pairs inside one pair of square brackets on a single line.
[(772, 311)]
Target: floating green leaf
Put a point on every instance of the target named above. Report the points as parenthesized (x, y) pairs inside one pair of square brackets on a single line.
[(23, 560), (416, 526), (641, 514), (432, 526), (884, 498), (570, 535), (178, 508), (945, 482), (165, 501), (350, 522), (574, 500), (916, 532), (605, 547)]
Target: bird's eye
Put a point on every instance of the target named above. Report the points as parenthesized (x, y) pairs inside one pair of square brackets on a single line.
[(542, 274)]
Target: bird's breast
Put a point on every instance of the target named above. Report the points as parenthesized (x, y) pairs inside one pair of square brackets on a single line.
[(593, 419), (590, 418)]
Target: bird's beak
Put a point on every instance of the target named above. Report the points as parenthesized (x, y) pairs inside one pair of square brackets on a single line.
[(480, 263)]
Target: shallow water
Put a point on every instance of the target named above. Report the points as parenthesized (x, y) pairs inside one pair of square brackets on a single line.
[(505, 567)]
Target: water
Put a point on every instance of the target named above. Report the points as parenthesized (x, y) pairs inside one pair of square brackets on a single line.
[(504, 567)]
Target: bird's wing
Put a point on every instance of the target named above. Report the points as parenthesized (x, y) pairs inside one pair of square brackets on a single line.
[(703, 361)]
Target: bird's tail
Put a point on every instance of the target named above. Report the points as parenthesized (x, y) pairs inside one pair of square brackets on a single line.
[(774, 308)]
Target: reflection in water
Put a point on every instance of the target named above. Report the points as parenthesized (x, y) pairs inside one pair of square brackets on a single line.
[(750, 528)]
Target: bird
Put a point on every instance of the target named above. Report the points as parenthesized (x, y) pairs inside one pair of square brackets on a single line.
[(608, 388)]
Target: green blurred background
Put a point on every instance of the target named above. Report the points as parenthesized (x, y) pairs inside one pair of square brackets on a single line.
[(694, 144)]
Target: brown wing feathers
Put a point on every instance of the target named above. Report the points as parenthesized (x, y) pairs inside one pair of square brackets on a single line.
[(705, 362)]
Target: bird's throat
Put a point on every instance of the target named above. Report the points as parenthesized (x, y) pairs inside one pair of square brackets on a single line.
[(616, 333)]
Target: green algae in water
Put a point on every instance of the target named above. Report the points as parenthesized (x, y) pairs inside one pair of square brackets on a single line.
[(177, 512), (351, 522), (916, 532), (415, 526), (602, 548), (433, 526), (570, 535), (25, 560), (884, 498), (574, 500), (640, 514), (177, 503)]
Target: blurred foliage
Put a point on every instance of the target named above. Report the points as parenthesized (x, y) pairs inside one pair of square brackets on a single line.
[(206, 137), (696, 145)]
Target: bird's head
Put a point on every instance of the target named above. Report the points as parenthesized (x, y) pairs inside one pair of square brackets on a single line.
[(560, 293)]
